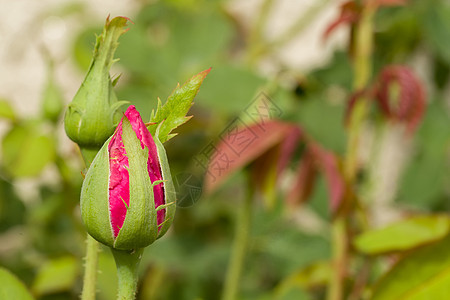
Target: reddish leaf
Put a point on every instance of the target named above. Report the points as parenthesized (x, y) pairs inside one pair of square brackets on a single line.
[(328, 163), (288, 146), (350, 12), (240, 145), (407, 106), (304, 181), (410, 105), (267, 168), (270, 146)]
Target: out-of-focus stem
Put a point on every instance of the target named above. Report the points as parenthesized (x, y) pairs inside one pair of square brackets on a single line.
[(362, 72), (356, 122), (339, 240), (256, 41), (240, 243), (363, 46)]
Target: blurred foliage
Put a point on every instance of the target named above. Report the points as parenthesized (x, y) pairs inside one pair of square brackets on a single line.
[(12, 288), (42, 238)]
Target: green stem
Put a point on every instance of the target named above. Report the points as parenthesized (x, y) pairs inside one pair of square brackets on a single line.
[(90, 272), (362, 73), (256, 41), (88, 155), (240, 243), (127, 263), (355, 126), (339, 242), (363, 46), (92, 247)]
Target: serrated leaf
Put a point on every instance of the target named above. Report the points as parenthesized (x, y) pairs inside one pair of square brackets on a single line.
[(57, 275), (423, 274), (11, 287), (173, 113), (403, 235)]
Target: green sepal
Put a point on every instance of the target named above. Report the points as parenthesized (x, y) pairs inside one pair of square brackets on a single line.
[(140, 226), (156, 182), (94, 112), (94, 204), (164, 206), (169, 188)]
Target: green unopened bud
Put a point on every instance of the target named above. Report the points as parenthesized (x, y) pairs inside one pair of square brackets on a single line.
[(128, 197), (94, 112)]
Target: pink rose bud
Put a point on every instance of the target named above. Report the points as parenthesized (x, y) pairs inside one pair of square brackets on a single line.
[(128, 197)]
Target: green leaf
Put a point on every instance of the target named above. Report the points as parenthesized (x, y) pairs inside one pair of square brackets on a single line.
[(6, 110), (56, 276), (173, 113), (403, 235), (425, 181), (423, 274), (323, 121), (231, 89), (12, 208), (11, 287), (314, 275), (26, 151), (436, 24)]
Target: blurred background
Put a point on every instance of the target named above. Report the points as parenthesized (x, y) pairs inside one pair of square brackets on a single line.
[(298, 53)]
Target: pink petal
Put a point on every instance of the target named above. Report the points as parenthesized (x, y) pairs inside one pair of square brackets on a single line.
[(119, 183), (153, 166)]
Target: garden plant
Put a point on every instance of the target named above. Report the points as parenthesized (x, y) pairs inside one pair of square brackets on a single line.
[(278, 182)]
